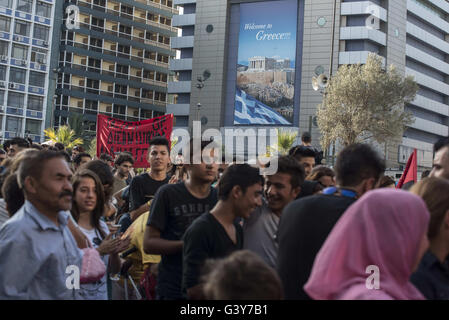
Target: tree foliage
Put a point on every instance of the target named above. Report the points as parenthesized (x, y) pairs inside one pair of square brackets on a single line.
[(63, 135), (365, 102), (286, 139)]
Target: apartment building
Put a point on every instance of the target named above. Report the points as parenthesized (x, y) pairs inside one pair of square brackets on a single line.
[(26, 27), (116, 62)]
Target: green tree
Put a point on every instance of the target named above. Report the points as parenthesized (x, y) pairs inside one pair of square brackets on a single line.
[(63, 135), (286, 139), (92, 149), (365, 102)]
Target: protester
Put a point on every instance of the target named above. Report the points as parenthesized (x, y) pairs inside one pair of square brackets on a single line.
[(241, 276), (123, 164), (17, 145), (76, 150), (103, 171), (80, 159), (13, 197), (386, 182), (306, 223), (441, 162), (87, 209), (261, 228), (143, 187), (39, 232), (2, 155), (60, 147), (432, 276), (306, 141), (384, 231), (173, 210), (306, 158), (106, 158), (323, 175), (216, 234)]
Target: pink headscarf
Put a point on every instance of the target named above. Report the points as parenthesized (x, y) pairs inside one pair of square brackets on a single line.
[(383, 228)]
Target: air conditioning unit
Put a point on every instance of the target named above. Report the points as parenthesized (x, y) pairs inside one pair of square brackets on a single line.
[(45, 43), (2, 84), (108, 108), (4, 58), (18, 38), (110, 88), (80, 104), (22, 62), (14, 86), (136, 113)]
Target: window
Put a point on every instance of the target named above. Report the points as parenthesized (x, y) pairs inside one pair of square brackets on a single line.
[(37, 79), (160, 96), (41, 32), (22, 28), (39, 55), (125, 29), (121, 89), (6, 3), (17, 75), (13, 124), (43, 9), (94, 84), (126, 9), (35, 103), (19, 52), (3, 73), (2, 97), (98, 22), (5, 24), (24, 5), (3, 48), (91, 105), (96, 63), (124, 49), (33, 126), (122, 69), (96, 42), (16, 100), (119, 109), (148, 94)]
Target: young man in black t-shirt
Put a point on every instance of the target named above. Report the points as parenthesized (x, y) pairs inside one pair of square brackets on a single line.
[(143, 187), (216, 234), (306, 223), (173, 210)]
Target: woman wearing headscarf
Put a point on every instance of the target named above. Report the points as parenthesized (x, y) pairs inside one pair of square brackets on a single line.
[(384, 231)]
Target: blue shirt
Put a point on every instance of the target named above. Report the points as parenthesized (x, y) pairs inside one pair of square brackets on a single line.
[(34, 256)]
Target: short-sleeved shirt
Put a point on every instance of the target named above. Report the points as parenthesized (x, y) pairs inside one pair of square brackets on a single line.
[(142, 188), (35, 255), (206, 239), (260, 232), (172, 211)]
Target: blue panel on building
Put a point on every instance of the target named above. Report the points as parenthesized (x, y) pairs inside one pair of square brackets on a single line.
[(23, 15)]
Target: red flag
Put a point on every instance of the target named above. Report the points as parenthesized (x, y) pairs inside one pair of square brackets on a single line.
[(115, 135), (410, 175)]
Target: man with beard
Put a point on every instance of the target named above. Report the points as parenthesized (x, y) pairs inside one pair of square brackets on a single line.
[(36, 245), (261, 228), (123, 164)]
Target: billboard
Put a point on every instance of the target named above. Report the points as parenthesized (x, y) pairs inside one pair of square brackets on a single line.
[(265, 85)]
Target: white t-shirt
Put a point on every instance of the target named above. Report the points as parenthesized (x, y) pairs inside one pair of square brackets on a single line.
[(98, 290)]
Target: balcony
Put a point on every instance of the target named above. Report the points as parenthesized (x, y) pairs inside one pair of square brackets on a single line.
[(363, 8), (179, 87), (182, 42), (179, 109), (355, 57), (184, 20), (182, 2), (358, 33), (180, 64)]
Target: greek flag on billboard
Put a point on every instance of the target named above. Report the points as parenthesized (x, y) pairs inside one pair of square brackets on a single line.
[(250, 111)]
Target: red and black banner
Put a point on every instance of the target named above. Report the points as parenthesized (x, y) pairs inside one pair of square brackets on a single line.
[(115, 135), (410, 174)]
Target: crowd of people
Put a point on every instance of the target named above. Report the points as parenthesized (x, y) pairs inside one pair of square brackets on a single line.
[(182, 231)]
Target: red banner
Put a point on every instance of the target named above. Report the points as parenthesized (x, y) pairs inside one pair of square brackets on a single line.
[(115, 136)]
